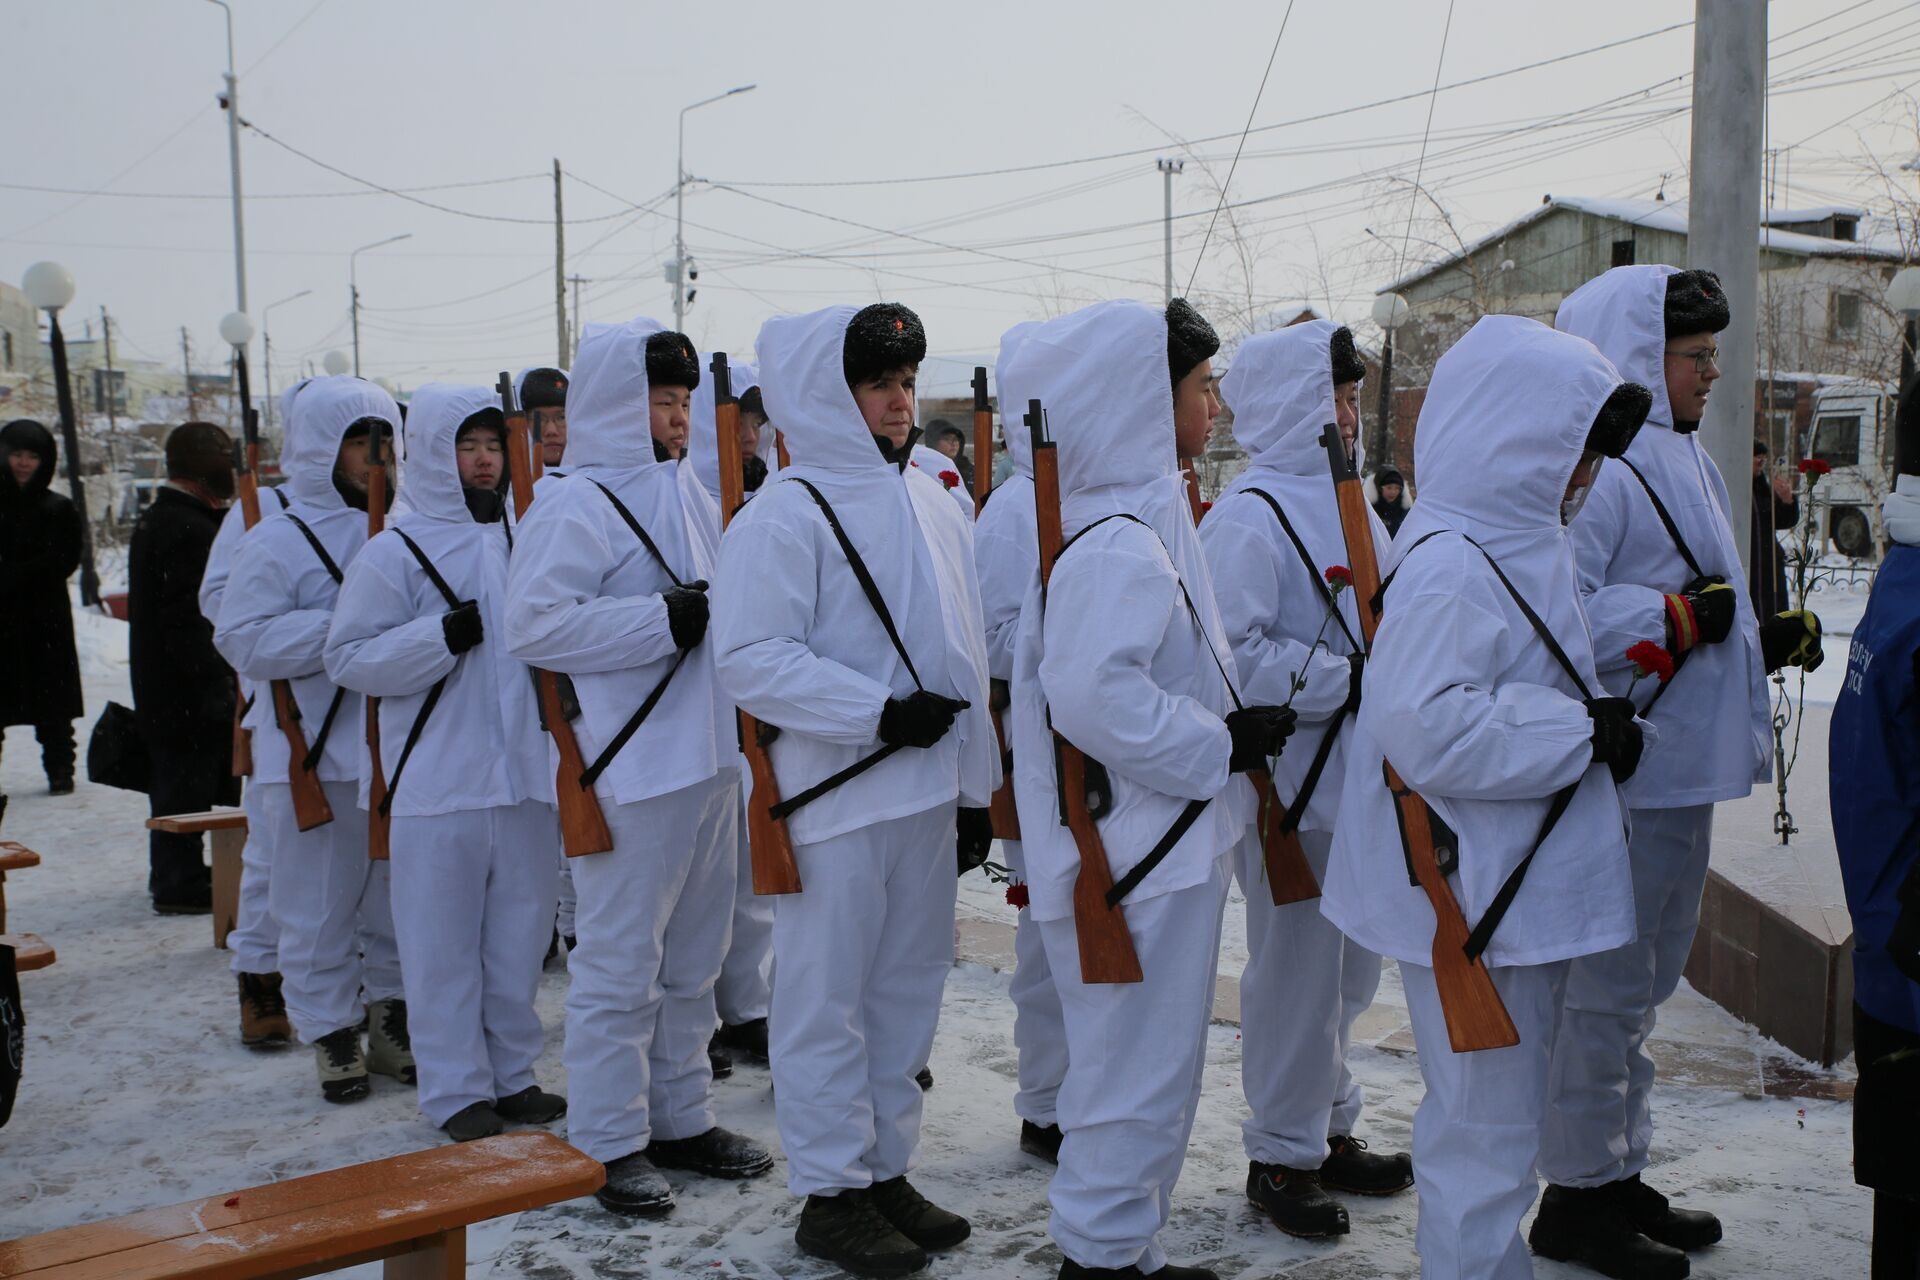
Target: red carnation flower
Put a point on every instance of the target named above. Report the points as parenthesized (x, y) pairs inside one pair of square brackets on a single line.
[(1017, 895), (1650, 659), (1339, 576), (1814, 467), (951, 479)]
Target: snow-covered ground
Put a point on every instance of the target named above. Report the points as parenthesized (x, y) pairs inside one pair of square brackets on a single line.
[(137, 1094)]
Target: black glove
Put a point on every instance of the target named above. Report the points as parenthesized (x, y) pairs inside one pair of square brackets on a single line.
[(974, 837), (918, 720), (1791, 639), (753, 473), (462, 626), (1359, 669), (1700, 613), (1258, 733), (687, 613), (1616, 738)]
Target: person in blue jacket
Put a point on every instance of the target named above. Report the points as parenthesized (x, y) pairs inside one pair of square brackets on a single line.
[(1875, 746)]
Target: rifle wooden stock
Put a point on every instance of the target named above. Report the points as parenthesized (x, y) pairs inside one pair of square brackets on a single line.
[(1289, 875), (583, 826), (1476, 1017), (982, 440), (769, 846), (242, 737), (379, 825), (780, 450), (1106, 947)]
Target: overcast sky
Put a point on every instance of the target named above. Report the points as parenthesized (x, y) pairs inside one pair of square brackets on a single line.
[(801, 202)]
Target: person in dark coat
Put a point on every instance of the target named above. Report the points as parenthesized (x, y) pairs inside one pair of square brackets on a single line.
[(39, 550), (1766, 560), (183, 691), (1389, 506)]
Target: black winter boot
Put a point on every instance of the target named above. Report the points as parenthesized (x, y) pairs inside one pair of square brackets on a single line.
[(1352, 1168), (636, 1188), (1594, 1227), (473, 1122), (1042, 1140), (1071, 1270), (717, 1153), (719, 1060), (745, 1040), (1295, 1201), (916, 1217), (847, 1230), (1657, 1220), (532, 1105)]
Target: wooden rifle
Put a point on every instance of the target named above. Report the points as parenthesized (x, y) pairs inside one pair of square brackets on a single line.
[(1289, 875), (310, 807), (379, 824), (1106, 948), (1476, 1017), (1001, 809), (769, 846), (583, 827)]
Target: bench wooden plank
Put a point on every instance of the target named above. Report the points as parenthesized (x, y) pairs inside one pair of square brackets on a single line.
[(194, 823), (15, 856), (30, 952), (316, 1223)]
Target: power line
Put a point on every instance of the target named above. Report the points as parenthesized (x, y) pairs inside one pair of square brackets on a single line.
[(1258, 94), (224, 196)]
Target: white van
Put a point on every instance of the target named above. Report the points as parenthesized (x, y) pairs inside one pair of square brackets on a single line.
[(1852, 431)]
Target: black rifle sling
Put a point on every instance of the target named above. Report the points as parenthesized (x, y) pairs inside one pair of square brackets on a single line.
[(276, 492), (1290, 821), (1140, 870), (872, 591), (592, 772), (1482, 932), (1686, 553), (433, 694), (319, 745)]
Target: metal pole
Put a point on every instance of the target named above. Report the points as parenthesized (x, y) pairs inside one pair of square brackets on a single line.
[(266, 369), (1167, 169), (1729, 99), (1383, 416), (186, 373), (233, 158), (559, 269), (70, 433), (106, 336), (1906, 422), (353, 289), (679, 226), (577, 281)]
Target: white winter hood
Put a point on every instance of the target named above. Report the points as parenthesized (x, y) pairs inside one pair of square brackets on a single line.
[(703, 446), (430, 484), (804, 386), (607, 412), (1506, 418), (1624, 313), (322, 412), (1013, 401), (1280, 389)]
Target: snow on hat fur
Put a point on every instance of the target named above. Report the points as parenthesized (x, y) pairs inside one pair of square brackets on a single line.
[(882, 337), (1347, 366), (1190, 339), (1695, 304), (543, 389), (671, 362)]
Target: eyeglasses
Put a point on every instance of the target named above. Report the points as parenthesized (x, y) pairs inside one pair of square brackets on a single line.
[(1702, 360)]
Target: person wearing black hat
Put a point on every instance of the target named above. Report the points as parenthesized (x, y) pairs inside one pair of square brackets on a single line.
[(39, 550), (1390, 505), (183, 689), (543, 394), (1658, 563)]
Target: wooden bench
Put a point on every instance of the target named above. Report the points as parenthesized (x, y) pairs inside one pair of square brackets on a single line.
[(14, 856), (411, 1211), (30, 951), (228, 829)]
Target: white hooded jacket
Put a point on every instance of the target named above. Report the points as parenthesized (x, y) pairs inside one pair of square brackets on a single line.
[(481, 746), (586, 597), (1281, 390), (1716, 729), (1461, 693), (1114, 655), (279, 597), (797, 644)]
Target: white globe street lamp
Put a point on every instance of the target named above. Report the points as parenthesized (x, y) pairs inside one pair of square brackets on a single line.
[(236, 328), (1390, 312), (336, 362)]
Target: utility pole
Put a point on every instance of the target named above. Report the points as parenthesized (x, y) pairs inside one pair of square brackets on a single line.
[(106, 336), (577, 282), (1167, 169), (559, 269), (231, 102), (677, 273), (186, 371), (1723, 222)]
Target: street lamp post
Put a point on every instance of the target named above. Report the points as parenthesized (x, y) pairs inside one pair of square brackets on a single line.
[(49, 287), (335, 362), (266, 349), (1903, 296), (236, 329), (353, 285), (1390, 311), (679, 201), (232, 103), (1167, 169)]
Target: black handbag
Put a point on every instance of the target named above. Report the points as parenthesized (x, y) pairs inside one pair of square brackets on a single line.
[(117, 751)]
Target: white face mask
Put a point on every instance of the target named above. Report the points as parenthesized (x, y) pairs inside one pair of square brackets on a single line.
[(1577, 498)]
